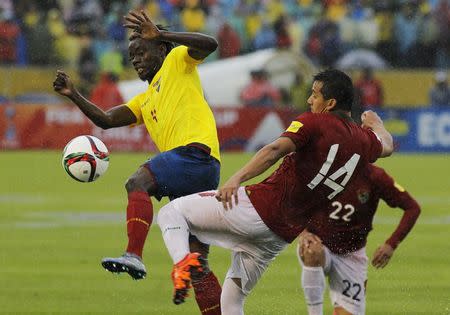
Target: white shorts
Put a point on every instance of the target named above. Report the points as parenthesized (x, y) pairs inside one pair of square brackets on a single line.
[(240, 229), (347, 275)]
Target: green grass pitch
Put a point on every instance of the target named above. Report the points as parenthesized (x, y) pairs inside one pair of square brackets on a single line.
[(54, 231)]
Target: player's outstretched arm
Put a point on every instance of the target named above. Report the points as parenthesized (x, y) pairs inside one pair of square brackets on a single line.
[(200, 45), (395, 196), (372, 121), (116, 117), (261, 161), (383, 254)]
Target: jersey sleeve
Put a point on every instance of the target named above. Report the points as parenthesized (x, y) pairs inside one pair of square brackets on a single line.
[(375, 147), (181, 60), (301, 130), (397, 197), (135, 106)]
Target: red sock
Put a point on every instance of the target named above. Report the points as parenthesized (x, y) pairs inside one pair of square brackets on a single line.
[(139, 219), (207, 293)]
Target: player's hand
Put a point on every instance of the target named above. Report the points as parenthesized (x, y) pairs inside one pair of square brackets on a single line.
[(62, 84), (382, 256), (142, 25), (227, 192), (307, 239), (370, 120), (308, 243)]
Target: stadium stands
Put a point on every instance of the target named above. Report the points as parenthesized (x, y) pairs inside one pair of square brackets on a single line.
[(88, 37), (410, 33)]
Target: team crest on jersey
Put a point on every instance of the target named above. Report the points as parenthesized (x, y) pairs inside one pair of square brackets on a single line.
[(157, 84), (295, 126), (363, 196)]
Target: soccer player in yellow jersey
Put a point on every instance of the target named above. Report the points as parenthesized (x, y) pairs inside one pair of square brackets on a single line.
[(181, 124)]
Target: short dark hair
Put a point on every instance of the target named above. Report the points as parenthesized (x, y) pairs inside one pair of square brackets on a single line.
[(337, 85), (169, 45)]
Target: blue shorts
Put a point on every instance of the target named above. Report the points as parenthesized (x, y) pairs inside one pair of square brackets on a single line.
[(183, 171)]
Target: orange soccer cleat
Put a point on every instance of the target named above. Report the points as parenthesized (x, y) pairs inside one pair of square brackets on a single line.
[(181, 276)]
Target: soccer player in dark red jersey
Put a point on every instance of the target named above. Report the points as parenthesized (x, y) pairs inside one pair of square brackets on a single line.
[(333, 245), (324, 151)]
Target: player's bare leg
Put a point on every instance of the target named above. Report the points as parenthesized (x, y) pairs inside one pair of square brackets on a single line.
[(312, 254), (139, 219), (206, 286)]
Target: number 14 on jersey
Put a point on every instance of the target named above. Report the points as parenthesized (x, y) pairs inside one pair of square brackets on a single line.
[(348, 168)]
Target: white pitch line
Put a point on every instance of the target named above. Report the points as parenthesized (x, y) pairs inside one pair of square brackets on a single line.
[(25, 198), (422, 220), (43, 220), (434, 200), (34, 199), (21, 199), (48, 220)]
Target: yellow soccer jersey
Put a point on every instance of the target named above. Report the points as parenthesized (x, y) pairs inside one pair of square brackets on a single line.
[(173, 108)]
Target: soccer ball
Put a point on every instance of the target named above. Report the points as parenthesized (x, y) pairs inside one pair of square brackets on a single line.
[(85, 158)]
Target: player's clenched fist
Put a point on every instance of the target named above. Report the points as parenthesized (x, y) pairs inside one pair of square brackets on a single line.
[(62, 84), (370, 119)]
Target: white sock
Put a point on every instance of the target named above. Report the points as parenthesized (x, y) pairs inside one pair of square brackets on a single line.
[(175, 232), (313, 283), (232, 298)]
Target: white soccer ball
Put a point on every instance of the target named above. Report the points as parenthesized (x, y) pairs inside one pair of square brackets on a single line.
[(85, 158)]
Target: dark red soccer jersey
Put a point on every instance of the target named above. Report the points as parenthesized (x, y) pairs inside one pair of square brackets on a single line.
[(343, 225), (331, 152)]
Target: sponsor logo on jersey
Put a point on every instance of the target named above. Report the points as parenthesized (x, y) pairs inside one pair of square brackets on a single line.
[(207, 194)]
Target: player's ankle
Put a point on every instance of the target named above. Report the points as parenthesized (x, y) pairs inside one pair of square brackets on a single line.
[(133, 254)]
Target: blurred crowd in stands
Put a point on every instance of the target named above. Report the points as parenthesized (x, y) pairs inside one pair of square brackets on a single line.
[(439, 94), (88, 34), (260, 92), (407, 33)]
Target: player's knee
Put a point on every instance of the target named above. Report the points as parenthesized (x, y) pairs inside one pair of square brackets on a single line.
[(142, 180), (131, 184), (135, 183), (312, 255)]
